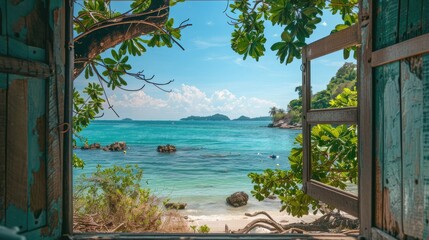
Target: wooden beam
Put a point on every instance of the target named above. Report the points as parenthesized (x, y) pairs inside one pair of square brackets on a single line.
[(341, 200), (415, 46), (342, 39), (332, 116), (365, 120), (24, 67)]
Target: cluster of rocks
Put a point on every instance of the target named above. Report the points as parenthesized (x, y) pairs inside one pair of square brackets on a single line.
[(90, 146), (114, 147), (166, 148), (285, 125)]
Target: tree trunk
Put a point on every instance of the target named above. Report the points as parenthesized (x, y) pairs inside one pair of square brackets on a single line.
[(108, 34)]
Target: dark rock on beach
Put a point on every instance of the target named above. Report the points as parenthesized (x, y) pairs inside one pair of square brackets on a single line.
[(116, 147), (166, 149), (237, 199), (178, 205)]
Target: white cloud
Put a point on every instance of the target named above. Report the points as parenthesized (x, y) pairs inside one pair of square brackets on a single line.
[(275, 35), (190, 100), (212, 42), (137, 100), (218, 58), (324, 23), (210, 23)]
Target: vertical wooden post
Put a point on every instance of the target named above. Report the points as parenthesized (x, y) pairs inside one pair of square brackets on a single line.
[(68, 116), (365, 108)]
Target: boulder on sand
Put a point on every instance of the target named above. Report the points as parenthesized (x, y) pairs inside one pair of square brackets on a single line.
[(116, 147), (237, 199), (166, 149)]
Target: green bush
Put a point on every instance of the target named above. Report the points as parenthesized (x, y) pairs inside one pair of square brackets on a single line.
[(114, 196)]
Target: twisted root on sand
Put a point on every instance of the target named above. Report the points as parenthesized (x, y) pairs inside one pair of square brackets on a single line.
[(332, 222)]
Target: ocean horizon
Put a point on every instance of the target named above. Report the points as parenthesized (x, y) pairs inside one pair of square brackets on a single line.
[(212, 159)]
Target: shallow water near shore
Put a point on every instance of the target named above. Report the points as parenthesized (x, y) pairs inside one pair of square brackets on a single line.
[(212, 160)]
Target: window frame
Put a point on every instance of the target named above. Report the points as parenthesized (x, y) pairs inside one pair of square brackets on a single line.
[(340, 40)]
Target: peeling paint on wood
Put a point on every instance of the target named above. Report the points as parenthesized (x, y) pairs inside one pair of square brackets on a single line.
[(379, 82), (412, 108), (392, 150), (3, 107), (425, 143), (16, 155), (36, 153)]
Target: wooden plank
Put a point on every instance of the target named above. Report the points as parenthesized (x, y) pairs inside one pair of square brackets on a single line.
[(24, 67), (412, 123), (377, 234), (403, 20), (342, 200), (3, 114), (414, 23), (332, 43), (365, 109), (332, 116), (425, 17), (392, 219), (416, 46), (425, 140), (37, 154), (379, 83), (16, 155)]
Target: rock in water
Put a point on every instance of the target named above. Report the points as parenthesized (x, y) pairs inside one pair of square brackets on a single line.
[(166, 149), (116, 147), (178, 206), (237, 199)]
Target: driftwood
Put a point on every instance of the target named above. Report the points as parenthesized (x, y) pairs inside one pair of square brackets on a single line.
[(331, 222)]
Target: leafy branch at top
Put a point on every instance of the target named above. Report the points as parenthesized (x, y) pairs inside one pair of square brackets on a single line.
[(298, 19)]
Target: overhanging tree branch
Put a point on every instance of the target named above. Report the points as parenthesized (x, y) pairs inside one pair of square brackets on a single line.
[(107, 34)]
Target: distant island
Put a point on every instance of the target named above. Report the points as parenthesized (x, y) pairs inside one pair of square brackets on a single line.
[(244, 118), (221, 117), (127, 119), (216, 117)]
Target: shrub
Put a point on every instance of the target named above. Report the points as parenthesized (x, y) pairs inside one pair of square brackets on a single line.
[(112, 199)]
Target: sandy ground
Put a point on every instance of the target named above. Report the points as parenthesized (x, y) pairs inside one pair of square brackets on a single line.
[(238, 221)]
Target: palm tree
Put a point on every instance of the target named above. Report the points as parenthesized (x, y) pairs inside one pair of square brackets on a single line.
[(281, 110), (273, 111)]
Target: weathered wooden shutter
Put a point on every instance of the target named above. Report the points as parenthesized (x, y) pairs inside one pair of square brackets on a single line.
[(32, 68), (311, 117)]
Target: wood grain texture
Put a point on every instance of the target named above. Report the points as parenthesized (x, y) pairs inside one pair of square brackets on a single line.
[(333, 116), (412, 123), (37, 153), (392, 168), (414, 23), (16, 155), (3, 115), (334, 42), (365, 114), (425, 143), (379, 83)]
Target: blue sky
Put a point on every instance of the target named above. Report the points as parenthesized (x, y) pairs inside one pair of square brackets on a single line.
[(211, 78)]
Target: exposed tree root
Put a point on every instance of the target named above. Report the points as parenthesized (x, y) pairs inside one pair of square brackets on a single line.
[(331, 222)]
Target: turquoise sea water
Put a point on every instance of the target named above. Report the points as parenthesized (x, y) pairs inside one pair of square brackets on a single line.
[(212, 160)]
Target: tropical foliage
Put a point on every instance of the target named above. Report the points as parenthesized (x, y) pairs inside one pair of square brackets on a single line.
[(297, 18), (333, 161)]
